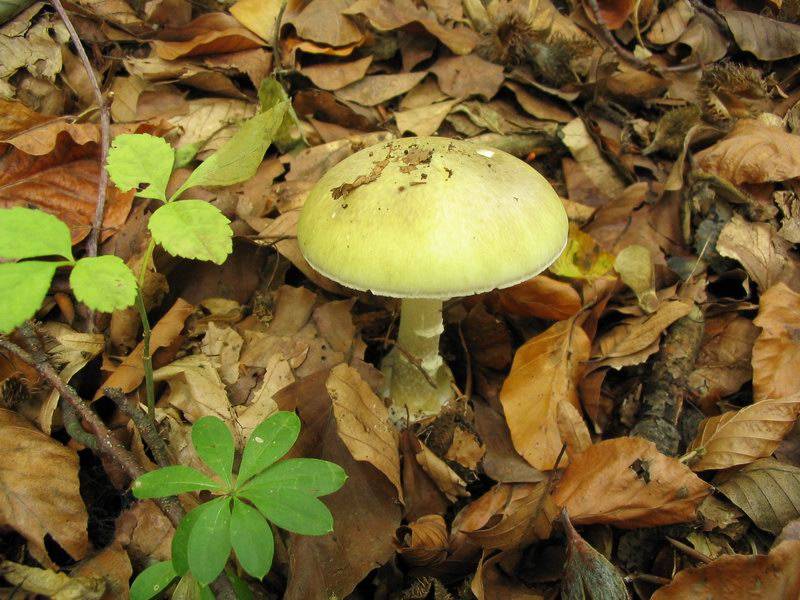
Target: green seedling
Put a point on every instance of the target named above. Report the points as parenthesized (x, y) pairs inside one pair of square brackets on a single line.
[(285, 493), (31, 239)]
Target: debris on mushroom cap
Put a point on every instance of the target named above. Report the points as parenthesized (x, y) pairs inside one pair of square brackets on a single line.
[(431, 217)]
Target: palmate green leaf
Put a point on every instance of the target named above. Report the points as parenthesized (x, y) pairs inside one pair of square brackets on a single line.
[(180, 542), (238, 159), (103, 283), (192, 229), (29, 233), (151, 582), (308, 475), (140, 158), (252, 539), (292, 510), (209, 540), (172, 480), (273, 438), (23, 287), (213, 442)]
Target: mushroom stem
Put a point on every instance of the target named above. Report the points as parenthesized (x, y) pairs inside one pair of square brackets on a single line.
[(415, 365)]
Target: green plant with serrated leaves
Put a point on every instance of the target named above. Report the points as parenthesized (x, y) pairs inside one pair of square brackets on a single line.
[(265, 490), (29, 239)]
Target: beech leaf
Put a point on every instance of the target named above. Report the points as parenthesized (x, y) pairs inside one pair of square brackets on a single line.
[(776, 352)]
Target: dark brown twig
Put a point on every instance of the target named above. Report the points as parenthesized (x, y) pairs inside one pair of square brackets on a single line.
[(612, 41), (146, 426), (107, 444), (689, 551), (105, 130)]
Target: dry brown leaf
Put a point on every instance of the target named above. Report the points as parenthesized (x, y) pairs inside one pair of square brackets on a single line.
[(767, 39), (421, 494), (336, 75), (614, 12), (573, 429), (58, 586), (767, 257), (211, 33), (322, 21), (539, 106), (753, 152), (584, 149), (774, 575), (145, 532), (424, 120), (39, 489), (362, 421), (626, 482), (706, 42), (16, 117), (62, 182), (776, 353), (259, 16), (469, 75), (527, 517), (130, 373), (723, 364), (671, 23), (423, 542), (739, 437), (376, 89), (114, 566), (545, 372), (466, 449), (488, 339), (386, 15), (542, 297), (442, 475), (636, 338)]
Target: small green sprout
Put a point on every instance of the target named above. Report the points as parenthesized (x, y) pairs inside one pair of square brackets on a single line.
[(265, 490)]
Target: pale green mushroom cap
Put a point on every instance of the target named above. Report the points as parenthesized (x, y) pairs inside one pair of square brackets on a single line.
[(431, 217)]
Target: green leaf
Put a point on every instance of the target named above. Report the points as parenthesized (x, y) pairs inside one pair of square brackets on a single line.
[(209, 540), (292, 510), (252, 539), (185, 154), (180, 542), (103, 283), (240, 156), (270, 94), (273, 438), (141, 158), (23, 287), (192, 229), (152, 581), (28, 233), (172, 480), (9, 8), (240, 587), (308, 475), (213, 442), (206, 593)]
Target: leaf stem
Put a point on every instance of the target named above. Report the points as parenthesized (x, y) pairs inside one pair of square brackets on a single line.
[(147, 360)]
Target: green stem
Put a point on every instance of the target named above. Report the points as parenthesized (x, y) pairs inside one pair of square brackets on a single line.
[(148, 255), (147, 360)]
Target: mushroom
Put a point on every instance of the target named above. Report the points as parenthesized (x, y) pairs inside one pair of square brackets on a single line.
[(426, 219)]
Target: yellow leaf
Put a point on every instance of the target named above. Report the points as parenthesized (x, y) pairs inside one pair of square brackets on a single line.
[(582, 258)]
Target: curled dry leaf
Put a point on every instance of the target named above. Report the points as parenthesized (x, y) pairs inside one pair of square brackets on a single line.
[(776, 353), (767, 257), (211, 33), (671, 23), (614, 12), (753, 152), (39, 489), (362, 422), (542, 297), (423, 542), (774, 575), (628, 483), (768, 491), (767, 39), (739, 437), (58, 586), (545, 372), (445, 478)]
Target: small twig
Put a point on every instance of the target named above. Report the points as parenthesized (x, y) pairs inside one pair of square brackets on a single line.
[(689, 551), (468, 386), (612, 41), (147, 359), (74, 428), (276, 39), (655, 579), (413, 360), (105, 131), (107, 444), (146, 426)]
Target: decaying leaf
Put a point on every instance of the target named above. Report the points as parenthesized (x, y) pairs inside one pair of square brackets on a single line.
[(635, 266), (542, 297), (39, 491), (583, 258), (211, 33), (767, 490), (544, 373), (58, 586), (423, 542), (447, 480), (767, 39), (739, 437), (362, 421), (776, 351), (773, 575), (627, 483)]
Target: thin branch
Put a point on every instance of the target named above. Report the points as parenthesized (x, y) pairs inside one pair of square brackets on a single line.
[(689, 551), (612, 41), (107, 444), (105, 130), (276, 39), (146, 426)]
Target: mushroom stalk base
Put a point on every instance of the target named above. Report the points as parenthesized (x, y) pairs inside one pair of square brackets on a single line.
[(417, 380)]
